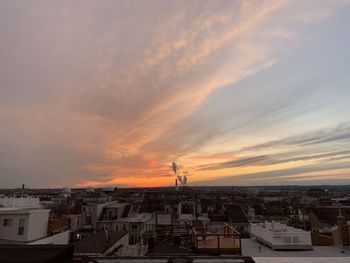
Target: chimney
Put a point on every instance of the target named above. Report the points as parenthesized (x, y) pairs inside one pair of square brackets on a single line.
[(343, 231), (176, 183)]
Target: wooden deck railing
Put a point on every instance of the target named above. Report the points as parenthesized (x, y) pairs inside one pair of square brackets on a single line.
[(227, 242)]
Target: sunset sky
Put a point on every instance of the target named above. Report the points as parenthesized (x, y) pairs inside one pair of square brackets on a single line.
[(110, 93)]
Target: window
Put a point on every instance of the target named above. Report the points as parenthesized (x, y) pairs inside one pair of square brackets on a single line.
[(21, 227), (7, 221), (134, 227)]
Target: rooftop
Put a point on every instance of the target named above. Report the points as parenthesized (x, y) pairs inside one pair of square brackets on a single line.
[(140, 218), (97, 243), (250, 247), (18, 210), (168, 247), (20, 202), (300, 260), (178, 259), (36, 254)]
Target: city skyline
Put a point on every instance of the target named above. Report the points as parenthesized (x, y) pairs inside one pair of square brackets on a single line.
[(236, 93)]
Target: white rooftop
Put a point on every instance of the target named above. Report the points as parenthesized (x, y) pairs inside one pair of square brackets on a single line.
[(21, 211), (251, 248), (280, 236), (20, 202)]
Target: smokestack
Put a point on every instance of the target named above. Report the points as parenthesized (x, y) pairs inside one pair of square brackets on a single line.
[(176, 183), (343, 231), (22, 191)]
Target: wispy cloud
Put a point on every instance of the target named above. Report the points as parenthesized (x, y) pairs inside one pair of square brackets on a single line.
[(263, 160), (282, 176), (319, 137), (106, 93)]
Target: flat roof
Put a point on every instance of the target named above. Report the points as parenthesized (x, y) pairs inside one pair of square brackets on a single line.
[(301, 260), (97, 243), (36, 253), (17, 210), (171, 259), (168, 247), (250, 247), (174, 258)]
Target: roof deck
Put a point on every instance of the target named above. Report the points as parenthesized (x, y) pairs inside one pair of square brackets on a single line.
[(228, 241), (281, 237)]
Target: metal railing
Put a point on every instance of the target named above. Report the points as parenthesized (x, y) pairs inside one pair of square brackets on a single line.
[(281, 236)]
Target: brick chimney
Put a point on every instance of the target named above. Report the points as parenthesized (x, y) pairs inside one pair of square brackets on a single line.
[(343, 231)]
